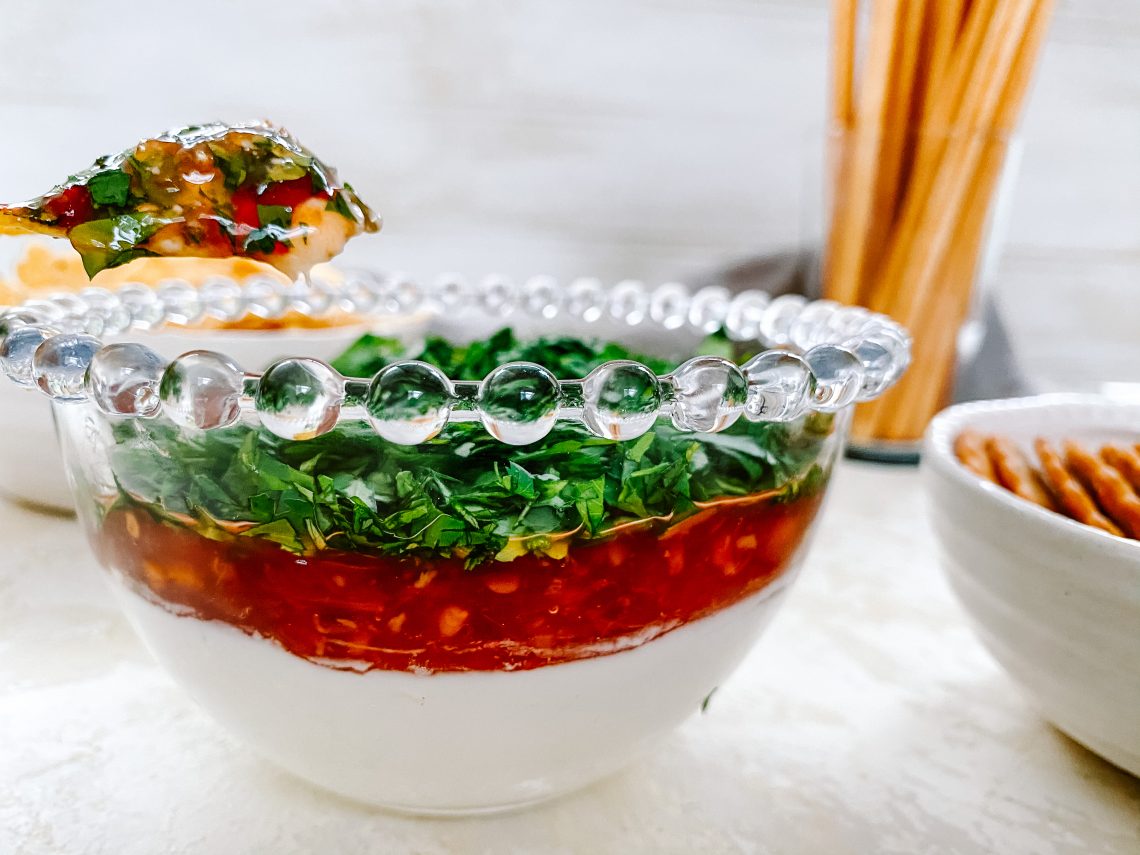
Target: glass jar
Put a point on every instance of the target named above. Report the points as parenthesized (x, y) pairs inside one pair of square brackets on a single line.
[(914, 227)]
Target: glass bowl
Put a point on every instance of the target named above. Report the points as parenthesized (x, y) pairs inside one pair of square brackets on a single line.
[(464, 592)]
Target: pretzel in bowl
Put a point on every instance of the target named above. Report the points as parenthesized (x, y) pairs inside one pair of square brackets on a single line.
[(1100, 489)]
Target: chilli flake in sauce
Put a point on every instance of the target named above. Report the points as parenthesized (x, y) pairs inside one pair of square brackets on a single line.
[(210, 191), (355, 610)]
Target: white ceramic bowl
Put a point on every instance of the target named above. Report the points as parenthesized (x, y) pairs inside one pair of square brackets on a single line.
[(1056, 602)]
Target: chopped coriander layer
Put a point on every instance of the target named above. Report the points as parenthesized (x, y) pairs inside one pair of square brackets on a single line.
[(464, 493)]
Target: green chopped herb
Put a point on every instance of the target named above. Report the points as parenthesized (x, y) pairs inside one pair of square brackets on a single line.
[(234, 165), (275, 215), (464, 493), (286, 166), (339, 203), (115, 240), (708, 700), (266, 238), (110, 189), (367, 355)]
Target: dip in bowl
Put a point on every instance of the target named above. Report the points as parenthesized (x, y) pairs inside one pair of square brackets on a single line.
[(468, 576)]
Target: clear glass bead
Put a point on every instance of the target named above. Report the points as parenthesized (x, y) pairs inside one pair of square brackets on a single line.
[(409, 402), (629, 302), (586, 299), (356, 293), (518, 402), (17, 350), (779, 317), (542, 298), (113, 316), (395, 291), (407, 295), (375, 291), (813, 325), (12, 319), (779, 386), (384, 288), (95, 297), (92, 323), (312, 298), (123, 380), (299, 398), (59, 365), (742, 322), (71, 315), (46, 311), (877, 367), (452, 292), (68, 305), (852, 320), (222, 298), (709, 394), (498, 295), (143, 304), (202, 389), (838, 376), (895, 340), (669, 305), (181, 300), (708, 309), (264, 297), (622, 399)]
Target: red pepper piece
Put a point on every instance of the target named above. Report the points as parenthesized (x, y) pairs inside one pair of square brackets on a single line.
[(289, 194), (71, 207), (245, 207)]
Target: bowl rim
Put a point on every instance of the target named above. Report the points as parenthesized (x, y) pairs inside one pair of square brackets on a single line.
[(221, 336), (938, 456), (815, 356)]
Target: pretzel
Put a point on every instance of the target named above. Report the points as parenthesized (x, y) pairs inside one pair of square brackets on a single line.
[(1126, 460), (1014, 472), (1113, 493), (1070, 495), (970, 449)]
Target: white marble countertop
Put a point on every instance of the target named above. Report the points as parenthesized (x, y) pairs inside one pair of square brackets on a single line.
[(867, 720)]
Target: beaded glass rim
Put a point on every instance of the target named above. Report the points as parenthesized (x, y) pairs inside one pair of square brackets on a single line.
[(817, 356)]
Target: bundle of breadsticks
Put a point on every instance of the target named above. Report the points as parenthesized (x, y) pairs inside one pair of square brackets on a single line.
[(1101, 489), (923, 108)]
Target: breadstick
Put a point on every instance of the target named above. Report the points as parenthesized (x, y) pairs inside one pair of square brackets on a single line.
[(1015, 473), (1070, 495), (1126, 460), (843, 32), (1113, 493), (897, 136), (970, 449), (845, 260)]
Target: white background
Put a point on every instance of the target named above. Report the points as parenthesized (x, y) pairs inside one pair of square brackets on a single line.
[(644, 138)]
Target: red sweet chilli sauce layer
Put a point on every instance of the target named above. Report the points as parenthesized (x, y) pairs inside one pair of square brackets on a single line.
[(354, 610)]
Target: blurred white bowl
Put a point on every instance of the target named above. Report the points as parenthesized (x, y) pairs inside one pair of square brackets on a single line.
[(1056, 602), (31, 470)]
